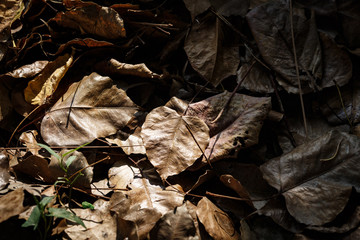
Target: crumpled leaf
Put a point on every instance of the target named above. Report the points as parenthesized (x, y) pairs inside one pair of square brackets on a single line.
[(270, 26), (28, 70), (139, 209), (129, 143), (29, 140), (113, 66), (79, 163), (317, 177), (121, 175), (176, 224), (208, 52), (216, 222), (239, 125), (90, 109), (11, 204), (4, 171), (173, 142), (231, 182), (44, 85), (99, 225), (91, 18)]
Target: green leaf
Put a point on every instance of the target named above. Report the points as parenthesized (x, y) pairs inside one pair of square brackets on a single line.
[(70, 160), (86, 204), (47, 148), (63, 213), (45, 201), (73, 150), (34, 218)]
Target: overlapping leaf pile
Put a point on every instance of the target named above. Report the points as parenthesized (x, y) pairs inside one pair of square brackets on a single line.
[(191, 115)]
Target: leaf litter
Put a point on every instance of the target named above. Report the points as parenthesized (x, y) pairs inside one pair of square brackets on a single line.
[(158, 120)]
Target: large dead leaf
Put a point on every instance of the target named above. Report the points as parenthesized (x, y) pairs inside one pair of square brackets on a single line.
[(316, 178), (239, 125), (270, 25), (208, 52), (44, 85), (139, 209), (11, 204), (216, 222), (173, 142), (90, 109), (176, 224), (91, 18)]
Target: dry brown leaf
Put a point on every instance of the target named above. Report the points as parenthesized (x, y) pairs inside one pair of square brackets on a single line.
[(270, 26), (121, 175), (235, 185), (113, 66), (317, 177), (139, 209), (44, 85), (91, 18), (100, 225), (90, 109), (176, 224), (11, 204), (29, 70), (239, 125), (36, 167), (129, 143), (209, 54), (197, 7), (29, 140), (80, 163), (173, 142), (4, 171), (216, 222)]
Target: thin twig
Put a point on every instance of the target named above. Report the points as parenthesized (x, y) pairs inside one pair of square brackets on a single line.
[(297, 68)]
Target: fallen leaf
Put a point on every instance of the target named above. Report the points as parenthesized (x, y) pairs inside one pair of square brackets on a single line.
[(36, 167), (176, 224), (4, 171), (90, 109), (44, 85), (121, 175), (230, 182), (129, 143), (139, 209), (113, 66), (28, 70), (80, 163), (270, 26), (237, 128), (11, 204), (99, 225), (29, 140), (91, 18), (197, 7), (317, 177), (208, 52), (216, 222), (173, 142)]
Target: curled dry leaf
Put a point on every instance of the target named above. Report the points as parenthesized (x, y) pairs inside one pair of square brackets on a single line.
[(121, 175), (270, 26), (11, 204), (29, 140), (44, 85), (4, 171), (173, 142), (28, 71), (129, 143), (317, 177), (80, 163), (209, 54), (139, 209), (239, 125), (175, 224), (91, 18), (90, 109), (216, 222), (231, 182), (113, 66), (99, 225)]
